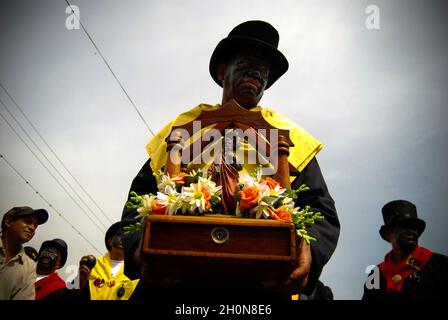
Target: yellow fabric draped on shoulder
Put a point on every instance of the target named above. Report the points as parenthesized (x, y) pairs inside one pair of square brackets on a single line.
[(103, 287), (305, 146)]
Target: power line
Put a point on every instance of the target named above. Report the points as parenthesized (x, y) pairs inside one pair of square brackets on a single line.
[(49, 161), (49, 204), (110, 69), (54, 153), (48, 170)]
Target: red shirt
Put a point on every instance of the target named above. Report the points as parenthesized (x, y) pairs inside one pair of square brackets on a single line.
[(49, 284)]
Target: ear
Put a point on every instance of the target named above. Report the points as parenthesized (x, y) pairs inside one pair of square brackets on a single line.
[(221, 71), (388, 234), (8, 222)]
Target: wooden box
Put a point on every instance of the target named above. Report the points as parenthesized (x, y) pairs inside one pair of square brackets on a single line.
[(220, 245)]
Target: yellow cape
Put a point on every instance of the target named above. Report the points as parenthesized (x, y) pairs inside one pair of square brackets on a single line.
[(304, 150), (103, 287)]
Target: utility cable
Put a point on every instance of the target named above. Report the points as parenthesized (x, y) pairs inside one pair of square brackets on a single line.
[(49, 204), (110, 69), (54, 154), (48, 170)]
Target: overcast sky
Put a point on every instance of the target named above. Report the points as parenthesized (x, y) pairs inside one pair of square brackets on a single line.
[(376, 98)]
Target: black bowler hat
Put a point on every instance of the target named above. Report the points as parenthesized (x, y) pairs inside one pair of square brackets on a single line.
[(113, 229), (398, 211), (251, 36), (16, 212), (59, 244)]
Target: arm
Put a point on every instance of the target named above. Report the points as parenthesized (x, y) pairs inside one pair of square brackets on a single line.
[(28, 291), (143, 183), (327, 231)]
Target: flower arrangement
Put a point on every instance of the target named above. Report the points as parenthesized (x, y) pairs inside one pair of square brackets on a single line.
[(193, 193)]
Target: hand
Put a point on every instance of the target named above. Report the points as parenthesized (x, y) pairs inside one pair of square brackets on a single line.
[(298, 279), (84, 271)]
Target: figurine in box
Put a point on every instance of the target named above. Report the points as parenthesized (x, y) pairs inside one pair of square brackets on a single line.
[(244, 64)]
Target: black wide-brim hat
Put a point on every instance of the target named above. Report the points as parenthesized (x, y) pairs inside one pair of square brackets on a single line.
[(113, 229), (60, 244), (251, 36), (398, 211)]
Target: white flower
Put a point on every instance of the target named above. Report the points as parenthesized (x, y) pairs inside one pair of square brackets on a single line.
[(196, 197), (146, 205), (210, 186), (170, 198), (248, 181), (166, 182)]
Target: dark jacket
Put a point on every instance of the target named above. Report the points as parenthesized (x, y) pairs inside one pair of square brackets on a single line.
[(428, 284)]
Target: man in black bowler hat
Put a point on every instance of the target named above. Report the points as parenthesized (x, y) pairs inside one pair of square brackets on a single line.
[(52, 256), (408, 272), (245, 64)]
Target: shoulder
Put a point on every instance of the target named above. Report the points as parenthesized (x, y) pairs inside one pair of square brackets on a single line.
[(26, 261), (440, 259), (305, 146), (192, 114)]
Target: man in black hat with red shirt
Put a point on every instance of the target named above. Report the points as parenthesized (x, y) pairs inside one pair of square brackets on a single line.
[(52, 256), (244, 64), (408, 272)]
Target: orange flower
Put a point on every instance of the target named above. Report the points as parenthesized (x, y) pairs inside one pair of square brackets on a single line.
[(180, 178), (207, 197), (281, 213), (158, 208), (248, 198), (271, 183)]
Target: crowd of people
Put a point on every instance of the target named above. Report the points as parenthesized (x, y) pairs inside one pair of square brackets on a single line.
[(244, 64), (28, 274)]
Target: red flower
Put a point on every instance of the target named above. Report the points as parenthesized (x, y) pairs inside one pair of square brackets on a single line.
[(158, 208)]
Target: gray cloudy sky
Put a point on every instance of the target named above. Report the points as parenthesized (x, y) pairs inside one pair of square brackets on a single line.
[(377, 99)]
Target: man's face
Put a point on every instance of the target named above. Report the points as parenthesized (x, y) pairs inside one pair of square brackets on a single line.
[(49, 260), (405, 235), (23, 228), (244, 79), (116, 241)]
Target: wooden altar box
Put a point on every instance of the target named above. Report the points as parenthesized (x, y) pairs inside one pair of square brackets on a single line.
[(219, 245)]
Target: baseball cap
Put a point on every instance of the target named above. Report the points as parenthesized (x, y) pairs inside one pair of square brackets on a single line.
[(41, 214)]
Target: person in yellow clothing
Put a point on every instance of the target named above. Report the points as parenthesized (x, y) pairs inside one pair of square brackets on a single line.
[(107, 280)]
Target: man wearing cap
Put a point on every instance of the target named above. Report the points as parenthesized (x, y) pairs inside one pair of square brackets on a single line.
[(408, 272), (245, 64), (107, 280), (52, 256), (17, 270)]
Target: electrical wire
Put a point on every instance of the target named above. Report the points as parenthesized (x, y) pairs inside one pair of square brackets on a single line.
[(54, 154), (110, 69), (49, 204), (51, 174)]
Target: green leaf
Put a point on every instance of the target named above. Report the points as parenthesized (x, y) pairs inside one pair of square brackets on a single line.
[(133, 228)]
